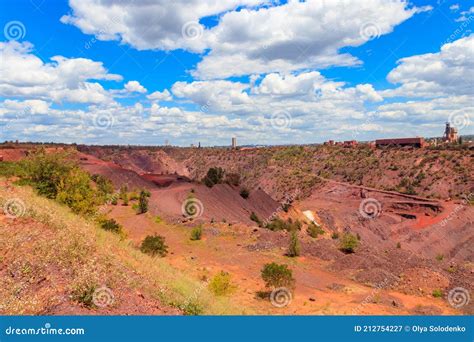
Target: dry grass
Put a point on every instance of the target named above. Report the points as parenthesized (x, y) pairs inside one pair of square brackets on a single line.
[(72, 255)]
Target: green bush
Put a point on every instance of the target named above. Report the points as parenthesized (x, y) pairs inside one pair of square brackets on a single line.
[(214, 176), (143, 202), (294, 247), (75, 191), (124, 194), (111, 225), (335, 236), (278, 224), (349, 243), (277, 275), (437, 293), (104, 185), (314, 230), (47, 170), (154, 245), (221, 284), (255, 219), (244, 193), (196, 233), (440, 257)]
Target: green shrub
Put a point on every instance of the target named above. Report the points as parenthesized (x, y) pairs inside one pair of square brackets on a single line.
[(192, 308), (124, 194), (47, 170), (143, 202), (196, 233), (335, 236), (440, 257), (278, 224), (294, 247), (437, 293), (314, 230), (154, 245), (75, 191), (111, 225), (244, 193), (221, 284), (104, 185), (255, 219), (277, 275), (349, 243), (214, 176)]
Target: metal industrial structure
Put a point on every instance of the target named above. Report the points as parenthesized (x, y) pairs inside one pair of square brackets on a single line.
[(450, 134)]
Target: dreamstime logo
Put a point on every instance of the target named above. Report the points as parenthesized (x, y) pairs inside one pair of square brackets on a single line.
[(103, 121), (14, 30), (370, 208), (192, 208), (281, 297), (459, 119), (14, 208), (369, 31), (102, 297), (281, 120), (458, 297), (192, 30)]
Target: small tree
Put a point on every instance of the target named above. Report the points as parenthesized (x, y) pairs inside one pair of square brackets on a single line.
[(214, 176), (294, 247), (196, 233), (124, 194), (349, 243), (277, 275), (143, 202), (154, 245)]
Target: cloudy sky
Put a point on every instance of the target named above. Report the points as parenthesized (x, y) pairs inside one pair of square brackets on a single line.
[(267, 72)]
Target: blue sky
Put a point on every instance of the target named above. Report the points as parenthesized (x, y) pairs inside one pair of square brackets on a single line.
[(272, 73)]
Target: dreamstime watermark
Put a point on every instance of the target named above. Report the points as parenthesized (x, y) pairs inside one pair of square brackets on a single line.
[(103, 297), (46, 330), (459, 119), (459, 31), (103, 121), (14, 208), (14, 30), (458, 297), (192, 30), (281, 120), (102, 32), (466, 200), (192, 208), (281, 297), (369, 31), (286, 202), (370, 208), (372, 296)]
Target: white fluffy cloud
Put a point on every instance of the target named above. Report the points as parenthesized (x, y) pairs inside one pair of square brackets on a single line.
[(149, 25), (255, 39), (134, 87), (449, 71), (164, 95), (63, 79)]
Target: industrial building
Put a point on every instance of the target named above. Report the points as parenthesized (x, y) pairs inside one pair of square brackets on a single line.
[(400, 142), (450, 134)]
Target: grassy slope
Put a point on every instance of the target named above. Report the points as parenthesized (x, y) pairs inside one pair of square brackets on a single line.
[(52, 255)]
